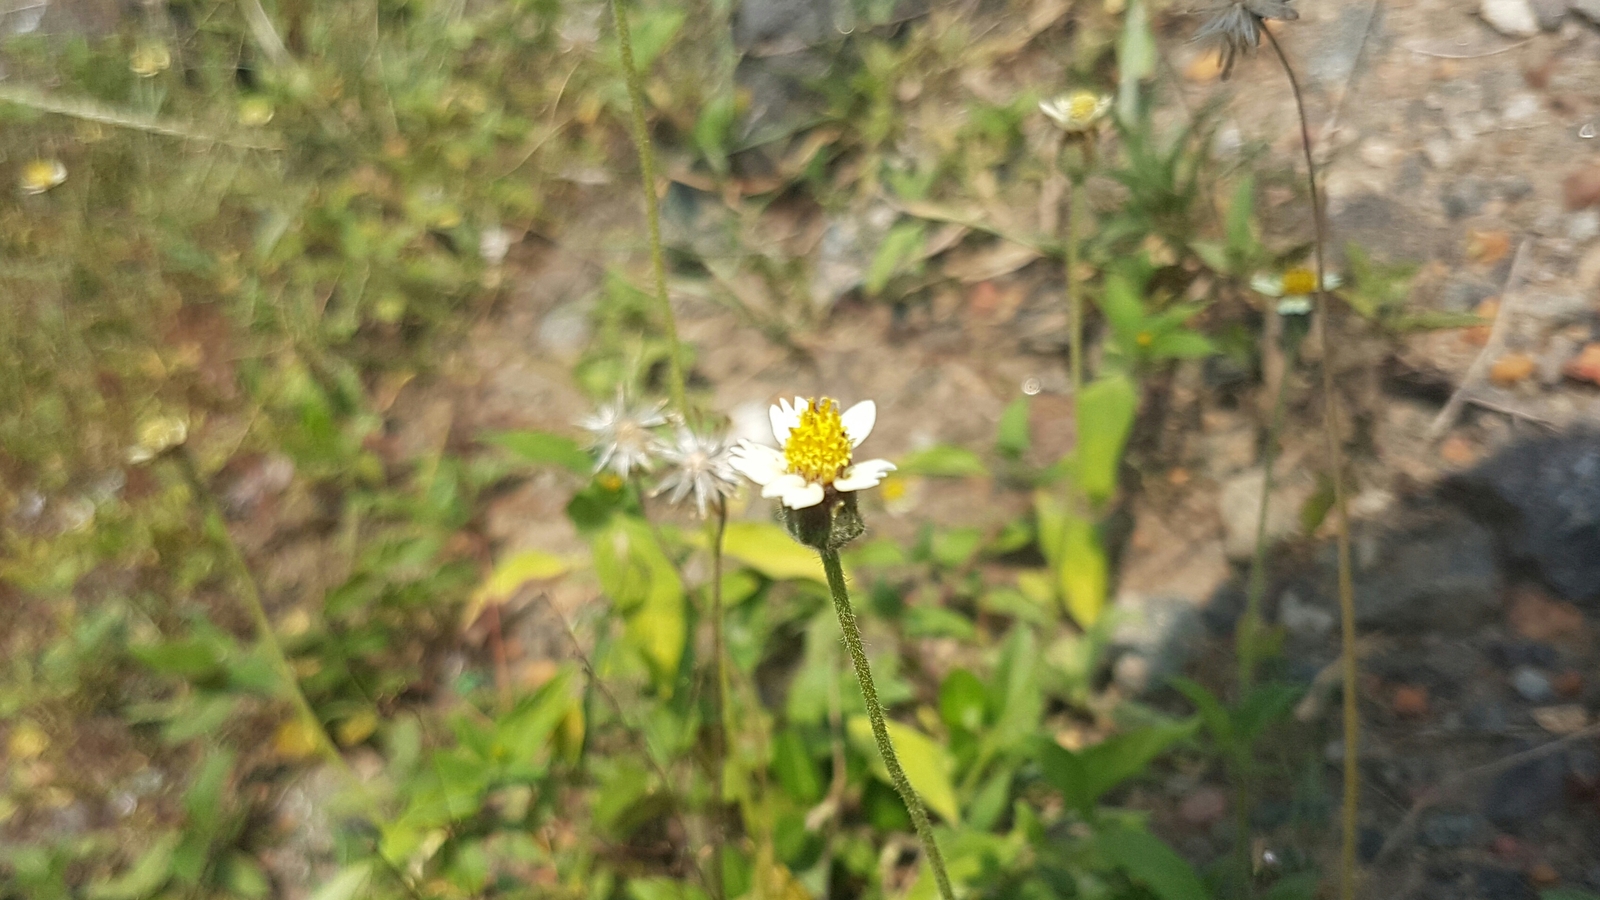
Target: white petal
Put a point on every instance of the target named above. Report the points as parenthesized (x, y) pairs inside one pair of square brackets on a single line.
[(782, 485), (756, 462), (1331, 281), (858, 421), (863, 475), (1271, 285), (802, 497), (779, 415)]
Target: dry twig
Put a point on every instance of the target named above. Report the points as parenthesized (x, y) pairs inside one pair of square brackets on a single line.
[(1491, 348)]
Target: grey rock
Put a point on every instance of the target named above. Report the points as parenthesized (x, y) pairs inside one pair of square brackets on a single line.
[(1524, 794), (1513, 188), (1504, 884), (1438, 573), (1589, 9), (788, 23), (1463, 292), (1304, 621), (1549, 13), (1444, 828), (1158, 636), (1532, 685), (1464, 197), (1543, 499), (1583, 226), (1487, 718), (1551, 362), (1239, 504)]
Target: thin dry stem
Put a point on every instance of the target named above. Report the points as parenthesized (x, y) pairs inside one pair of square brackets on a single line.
[(90, 111), (652, 207), (1347, 608)]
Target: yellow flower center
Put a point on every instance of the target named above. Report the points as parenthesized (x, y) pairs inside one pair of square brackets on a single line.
[(818, 448), (1299, 282), (1082, 105), (1145, 338)]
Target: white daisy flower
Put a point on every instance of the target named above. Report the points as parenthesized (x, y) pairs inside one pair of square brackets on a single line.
[(699, 465), (1293, 288), (621, 438), (1078, 111), (816, 442)]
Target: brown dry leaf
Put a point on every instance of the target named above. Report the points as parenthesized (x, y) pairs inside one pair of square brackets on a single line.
[(1511, 369), (1536, 616), (1582, 188), (1586, 366), (1487, 247), (1567, 718), (993, 261), (1458, 451), (1204, 68)]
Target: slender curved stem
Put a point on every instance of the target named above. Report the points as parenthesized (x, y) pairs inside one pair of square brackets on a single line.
[(1347, 606), (216, 527), (719, 740), (880, 729), (1250, 625), (652, 208), (1074, 290)]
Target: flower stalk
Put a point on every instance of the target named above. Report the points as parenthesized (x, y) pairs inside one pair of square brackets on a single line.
[(1347, 610), (719, 737), (652, 207), (880, 728)]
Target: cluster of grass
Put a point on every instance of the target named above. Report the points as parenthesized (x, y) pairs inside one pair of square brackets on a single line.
[(267, 225)]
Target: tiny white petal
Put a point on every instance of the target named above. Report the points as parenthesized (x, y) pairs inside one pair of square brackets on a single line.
[(783, 485), (1331, 281), (757, 462), (858, 421), (809, 495), (863, 475), (1271, 285), (781, 424)]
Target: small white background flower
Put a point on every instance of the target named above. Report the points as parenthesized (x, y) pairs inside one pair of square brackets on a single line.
[(816, 452)]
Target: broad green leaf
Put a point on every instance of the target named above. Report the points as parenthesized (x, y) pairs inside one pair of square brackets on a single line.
[(148, 874), (193, 657), (1120, 757), (770, 550), (1083, 573), (1215, 716), (927, 765), (900, 249), (346, 885), (1182, 344), (1064, 770), (795, 769), (1303, 886), (1013, 439), (1123, 308), (713, 127), (242, 877), (942, 461), (660, 887), (961, 701), (203, 800), (544, 448), (652, 32), (1148, 860), (1105, 417), (955, 547), (512, 573), (1016, 702), (643, 583)]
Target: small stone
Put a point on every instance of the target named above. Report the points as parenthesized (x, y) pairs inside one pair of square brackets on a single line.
[(1583, 226), (1553, 361), (1585, 366), (1500, 884), (1543, 875), (1562, 720), (1510, 654), (1204, 806), (1532, 685), (1527, 792), (1410, 701), (1444, 829), (1464, 197), (1239, 503), (1569, 684), (1589, 9), (1458, 451), (1380, 153), (1439, 151), (1304, 621), (1512, 18), (1511, 369), (1520, 108)]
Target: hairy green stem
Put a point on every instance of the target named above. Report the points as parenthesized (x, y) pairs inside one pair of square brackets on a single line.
[(719, 740), (1251, 625), (652, 208), (217, 529), (1074, 290), (880, 728), (1347, 605)]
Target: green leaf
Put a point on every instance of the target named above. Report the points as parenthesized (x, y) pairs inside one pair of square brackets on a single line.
[(1120, 757), (1136, 59), (191, 658), (1243, 247), (1213, 714), (713, 128), (1105, 417), (1013, 439), (1148, 860), (1015, 701), (660, 887), (1182, 344), (147, 875), (1064, 770), (545, 449), (347, 884), (770, 550), (942, 461), (1083, 575), (643, 583), (795, 769), (509, 575), (1303, 886), (962, 701), (203, 800), (901, 247), (652, 32), (242, 877), (1124, 309), (927, 765)]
